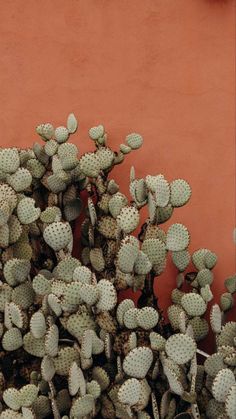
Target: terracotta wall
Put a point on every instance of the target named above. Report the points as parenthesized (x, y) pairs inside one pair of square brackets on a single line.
[(164, 68)]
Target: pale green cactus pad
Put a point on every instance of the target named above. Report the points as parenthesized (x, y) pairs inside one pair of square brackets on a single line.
[(230, 402), (33, 346), (28, 395), (101, 376), (47, 368), (16, 315), (124, 306), (155, 250), (52, 341), (206, 293), (173, 380), (76, 380), (157, 341), (128, 219), (58, 235), (72, 123), (230, 284), (93, 388), (193, 304), (82, 406), (180, 192), (181, 259), (226, 301), (162, 191), (214, 364), (38, 325), (26, 211), (134, 141), (96, 132), (200, 328), (180, 348), (222, 383), (147, 318), (61, 134), (12, 339), (227, 335), (12, 398), (177, 237), (89, 165), (129, 392), (9, 160), (137, 362), (216, 318), (62, 362), (20, 180)]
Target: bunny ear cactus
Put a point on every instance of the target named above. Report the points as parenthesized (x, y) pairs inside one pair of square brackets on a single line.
[(69, 347)]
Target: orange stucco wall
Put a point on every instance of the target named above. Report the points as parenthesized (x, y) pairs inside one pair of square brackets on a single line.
[(164, 68)]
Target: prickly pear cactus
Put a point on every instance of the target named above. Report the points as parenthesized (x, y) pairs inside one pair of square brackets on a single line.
[(70, 348)]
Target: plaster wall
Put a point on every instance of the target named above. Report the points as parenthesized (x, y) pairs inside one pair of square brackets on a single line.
[(164, 68)]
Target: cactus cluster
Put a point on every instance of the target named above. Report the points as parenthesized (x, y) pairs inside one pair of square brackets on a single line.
[(69, 347)]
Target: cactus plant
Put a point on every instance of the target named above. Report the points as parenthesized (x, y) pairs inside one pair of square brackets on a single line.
[(70, 348)]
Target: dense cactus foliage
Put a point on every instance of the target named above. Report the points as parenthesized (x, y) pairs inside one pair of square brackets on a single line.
[(69, 347)]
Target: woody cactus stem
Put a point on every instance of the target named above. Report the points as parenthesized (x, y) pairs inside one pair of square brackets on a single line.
[(55, 410), (148, 297)]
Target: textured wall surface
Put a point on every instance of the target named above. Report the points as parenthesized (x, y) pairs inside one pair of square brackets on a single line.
[(164, 68)]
